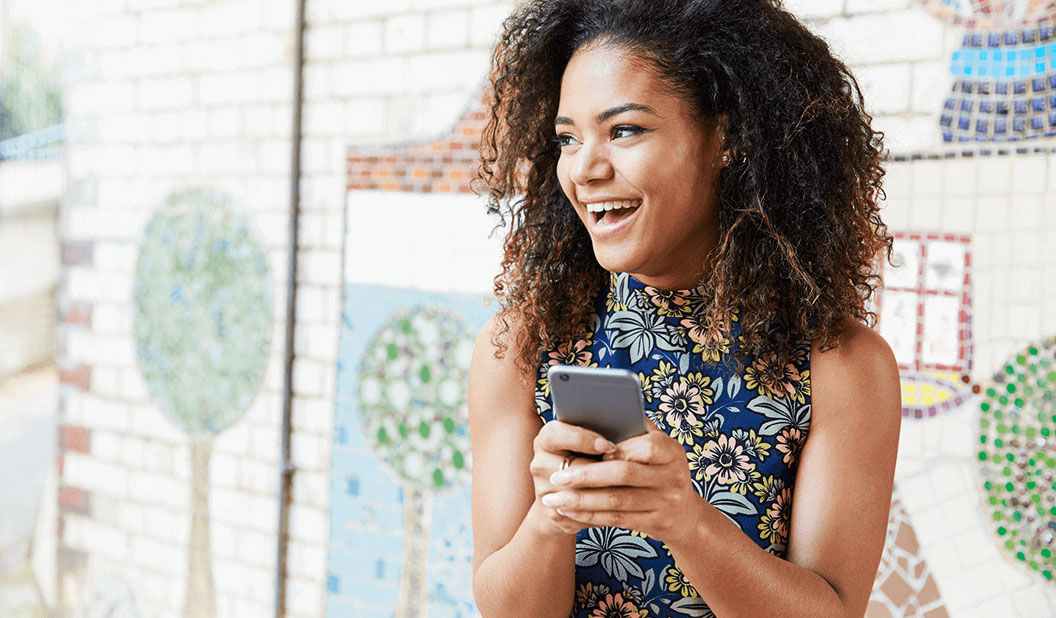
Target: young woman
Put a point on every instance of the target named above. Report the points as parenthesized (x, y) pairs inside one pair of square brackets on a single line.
[(691, 193)]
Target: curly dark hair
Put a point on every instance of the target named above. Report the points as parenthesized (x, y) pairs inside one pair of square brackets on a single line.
[(799, 226)]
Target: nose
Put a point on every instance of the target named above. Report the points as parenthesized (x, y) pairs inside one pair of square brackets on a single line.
[(591, 163)]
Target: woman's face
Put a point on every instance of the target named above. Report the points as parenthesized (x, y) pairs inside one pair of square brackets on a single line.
[(628, 143)]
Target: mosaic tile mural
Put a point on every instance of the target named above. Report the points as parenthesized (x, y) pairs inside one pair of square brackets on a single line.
[(202, 307), (1017, 457), (1004, 73), (925, 314), (401, 543), (904, 585)]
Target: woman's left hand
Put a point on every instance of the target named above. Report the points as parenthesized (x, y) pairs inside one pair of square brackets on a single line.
[(643, 486)]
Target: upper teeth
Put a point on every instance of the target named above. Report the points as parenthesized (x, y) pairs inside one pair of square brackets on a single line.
[(600, 206)]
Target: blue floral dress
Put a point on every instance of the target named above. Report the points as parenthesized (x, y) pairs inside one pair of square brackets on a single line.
[(742, 432)]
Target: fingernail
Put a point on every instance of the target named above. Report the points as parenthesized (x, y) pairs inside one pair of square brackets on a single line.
[(561, 477), (561, 513), (604, 445), (553, 500)]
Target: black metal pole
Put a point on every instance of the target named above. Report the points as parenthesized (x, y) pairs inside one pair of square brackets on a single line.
[(287, 469)]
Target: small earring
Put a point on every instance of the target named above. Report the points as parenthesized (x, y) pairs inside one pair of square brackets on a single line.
[(726, 159)]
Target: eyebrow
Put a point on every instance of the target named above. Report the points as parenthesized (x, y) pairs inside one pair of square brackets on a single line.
[(609, 113)]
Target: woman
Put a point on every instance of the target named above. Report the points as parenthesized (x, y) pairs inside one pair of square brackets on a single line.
[(691, 188)]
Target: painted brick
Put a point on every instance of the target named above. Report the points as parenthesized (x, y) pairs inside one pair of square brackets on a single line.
[(226, 158), (444, 70), (324, 42), (304, 596), (165, 525), (885, 37), (307, 561), (905, 134), (224, 539), (230, 576), (97, 412), (308, 524), (263, 121), (265, 443), (244, 608), (98, 540), (312, 487), (324, 118), (105, 445), (98, 349), (92, 475), (170, 93), (159, 489), (405, 33), (855, 7), (100, 98), (75, 439), (79, 376), (112, 319), (485, 24), (158, 556), (235, 87), (363, 39), (313, 415), (74, 500), (276, 85), (257, 476), (78, 253), (277, 14), (169, 26), (148, 421), (256, 548), (225, 19), (309, 451), (813, 9), (133, 388), (349, 11), (115, 31), (369, 77), (446, 30), (998, 176)]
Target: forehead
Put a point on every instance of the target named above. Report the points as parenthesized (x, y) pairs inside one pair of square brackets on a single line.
[(603, 76)]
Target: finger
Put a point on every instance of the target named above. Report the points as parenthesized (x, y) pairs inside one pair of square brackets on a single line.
[(558, 437), (622, 499), (615, 519), (654, 448), (612, 473)]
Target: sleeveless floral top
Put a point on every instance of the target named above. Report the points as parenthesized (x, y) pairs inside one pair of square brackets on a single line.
[(742, 432)]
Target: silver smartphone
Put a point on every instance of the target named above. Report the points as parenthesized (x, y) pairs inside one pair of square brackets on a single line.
[(603, 400)]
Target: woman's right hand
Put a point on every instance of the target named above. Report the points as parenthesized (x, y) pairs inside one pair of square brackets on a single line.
[(555, 442)]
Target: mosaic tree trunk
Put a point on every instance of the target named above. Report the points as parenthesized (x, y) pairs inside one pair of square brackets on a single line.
[(412, 394), (203, 329)]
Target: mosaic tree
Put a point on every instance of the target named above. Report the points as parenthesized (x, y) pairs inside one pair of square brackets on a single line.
[(202, 330), (412, 396), (1004, 71), (1018, 456)]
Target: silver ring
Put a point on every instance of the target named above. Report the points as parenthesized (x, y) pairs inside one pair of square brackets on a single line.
[(567, 461)]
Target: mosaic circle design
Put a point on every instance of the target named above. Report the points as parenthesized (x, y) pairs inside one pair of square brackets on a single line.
[(202, 306), (1018, 456), (412, 393), (989, 13)]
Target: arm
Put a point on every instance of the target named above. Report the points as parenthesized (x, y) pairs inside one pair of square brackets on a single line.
[(523, 551), (840, 508)]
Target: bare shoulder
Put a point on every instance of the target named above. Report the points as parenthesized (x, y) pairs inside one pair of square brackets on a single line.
[(496, 380), (858, 377)]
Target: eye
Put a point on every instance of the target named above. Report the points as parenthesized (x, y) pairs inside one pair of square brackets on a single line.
[(626, 130), (564, 140)]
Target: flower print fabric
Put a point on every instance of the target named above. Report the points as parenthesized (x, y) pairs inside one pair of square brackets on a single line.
[(742, 432)]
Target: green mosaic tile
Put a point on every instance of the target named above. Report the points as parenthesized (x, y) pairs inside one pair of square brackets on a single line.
[(1017, 457), (202, 303), (412, 396)]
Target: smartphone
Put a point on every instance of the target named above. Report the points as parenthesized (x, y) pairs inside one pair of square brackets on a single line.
[(607, 401)]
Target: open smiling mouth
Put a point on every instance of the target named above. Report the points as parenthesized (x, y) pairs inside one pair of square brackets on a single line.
[(614, 211)]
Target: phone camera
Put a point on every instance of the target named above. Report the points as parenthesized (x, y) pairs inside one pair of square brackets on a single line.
[(564, 377)]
